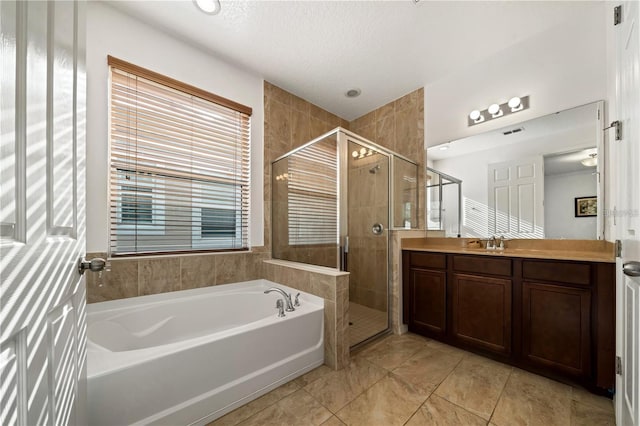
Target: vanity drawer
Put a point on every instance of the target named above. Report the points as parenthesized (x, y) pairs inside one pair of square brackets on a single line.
[(562, 272), (482, 265), (428, 260)]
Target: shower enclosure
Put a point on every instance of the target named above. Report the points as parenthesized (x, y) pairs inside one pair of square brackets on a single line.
[(333, 202), (444, 203)]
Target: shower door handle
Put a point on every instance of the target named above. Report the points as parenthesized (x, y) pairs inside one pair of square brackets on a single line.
[(344, 254), (377, 228)]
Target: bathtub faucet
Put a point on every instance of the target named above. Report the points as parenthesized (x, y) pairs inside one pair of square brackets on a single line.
[(287, 298)]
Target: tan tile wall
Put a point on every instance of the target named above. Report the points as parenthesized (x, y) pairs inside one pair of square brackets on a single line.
[(130, 277), (396, 236), (334, 289), (289, 122)]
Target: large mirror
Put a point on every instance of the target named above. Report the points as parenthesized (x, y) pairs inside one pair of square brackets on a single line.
[(541, 178)]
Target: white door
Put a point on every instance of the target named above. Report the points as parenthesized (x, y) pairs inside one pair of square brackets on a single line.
[(42, 215), (516, 191), (627, 46)]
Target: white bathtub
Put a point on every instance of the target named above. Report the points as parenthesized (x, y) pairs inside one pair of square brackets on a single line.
[(191, 356)]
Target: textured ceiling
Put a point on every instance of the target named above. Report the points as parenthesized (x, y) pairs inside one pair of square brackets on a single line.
[(320, 49)]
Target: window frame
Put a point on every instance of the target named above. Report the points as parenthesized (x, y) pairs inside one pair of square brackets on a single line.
[(159, 225)]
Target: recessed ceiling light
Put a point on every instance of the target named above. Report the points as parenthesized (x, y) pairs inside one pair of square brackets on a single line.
[(211, 7), (353, 93)]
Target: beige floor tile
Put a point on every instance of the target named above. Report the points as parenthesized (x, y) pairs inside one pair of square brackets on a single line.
[(333, 421), (475, 385), (389, 402), (393, 350), (297, 409), (434, 344), (246, 411), (440, 412), (589, 415), (312, 375), (587, 398), (427, 369), (338, 388), (529, 399)]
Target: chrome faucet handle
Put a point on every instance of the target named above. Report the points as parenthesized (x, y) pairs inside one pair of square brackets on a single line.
[(297, 302), (280, 308)]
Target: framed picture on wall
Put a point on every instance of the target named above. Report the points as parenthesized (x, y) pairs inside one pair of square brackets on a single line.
[(586, 206)]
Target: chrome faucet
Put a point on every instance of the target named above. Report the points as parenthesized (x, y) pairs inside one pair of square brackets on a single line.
[(287, 298), (491, 243)]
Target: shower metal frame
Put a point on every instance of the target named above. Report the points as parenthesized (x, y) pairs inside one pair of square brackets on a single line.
[(453, 181), (343, 137)]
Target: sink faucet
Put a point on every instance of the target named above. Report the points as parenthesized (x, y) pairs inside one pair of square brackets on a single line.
[(287, 298), (491, 243), (500, 242)]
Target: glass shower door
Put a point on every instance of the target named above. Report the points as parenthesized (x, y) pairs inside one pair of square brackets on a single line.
[(367, 204)]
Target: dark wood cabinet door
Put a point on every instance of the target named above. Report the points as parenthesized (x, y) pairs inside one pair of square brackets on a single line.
[(481, 311), (428, 293), (556, 327)]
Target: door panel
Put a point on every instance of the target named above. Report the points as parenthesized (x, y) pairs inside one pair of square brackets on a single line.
[(627, 225), (516, 191), (42, 320)]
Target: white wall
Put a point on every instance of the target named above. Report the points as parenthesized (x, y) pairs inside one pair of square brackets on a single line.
[(110, 32), (560, 68), (560, 192)]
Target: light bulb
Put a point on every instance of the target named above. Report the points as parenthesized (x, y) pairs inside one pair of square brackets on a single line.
[(475, 115), (363, 151), (354, 154), (212, 7), (515, 104), (494, 109)]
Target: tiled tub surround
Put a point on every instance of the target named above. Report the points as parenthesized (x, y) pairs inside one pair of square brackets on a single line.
[(160, 348), (416, 381), (140, 276), (333, 286)]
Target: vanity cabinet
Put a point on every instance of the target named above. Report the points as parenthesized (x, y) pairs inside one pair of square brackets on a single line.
[(552, 317), (481, 312)]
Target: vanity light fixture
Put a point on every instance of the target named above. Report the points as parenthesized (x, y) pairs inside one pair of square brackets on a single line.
[(476, 116), (362, 153), (210, 7), (514, 105), (495, 111)]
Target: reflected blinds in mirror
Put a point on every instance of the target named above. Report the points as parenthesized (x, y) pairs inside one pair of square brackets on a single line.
[(312, 195), (179, 169)]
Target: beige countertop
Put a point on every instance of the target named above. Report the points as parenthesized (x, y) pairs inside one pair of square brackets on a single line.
[(580, 250)]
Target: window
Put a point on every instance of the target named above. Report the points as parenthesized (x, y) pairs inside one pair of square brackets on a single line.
[(179, 166), (312, 195)]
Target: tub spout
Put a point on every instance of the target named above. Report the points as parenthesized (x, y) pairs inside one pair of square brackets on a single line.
[(287, 298)]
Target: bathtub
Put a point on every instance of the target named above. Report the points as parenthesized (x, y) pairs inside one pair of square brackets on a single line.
[(191, 356)]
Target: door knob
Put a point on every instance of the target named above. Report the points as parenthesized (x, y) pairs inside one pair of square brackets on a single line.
[(97, 264), (631, 269)]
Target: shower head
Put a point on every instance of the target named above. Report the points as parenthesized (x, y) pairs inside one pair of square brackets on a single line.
[(374, 169)]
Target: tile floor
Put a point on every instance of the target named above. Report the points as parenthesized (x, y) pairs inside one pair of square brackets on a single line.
[(365, 322), (410, 380)]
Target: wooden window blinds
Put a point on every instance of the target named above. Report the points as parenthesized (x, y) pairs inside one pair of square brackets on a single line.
[(179, 166)]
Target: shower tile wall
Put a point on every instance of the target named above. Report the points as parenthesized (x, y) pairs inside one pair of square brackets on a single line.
[(368, 204), (399, 126), (290, 122)]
